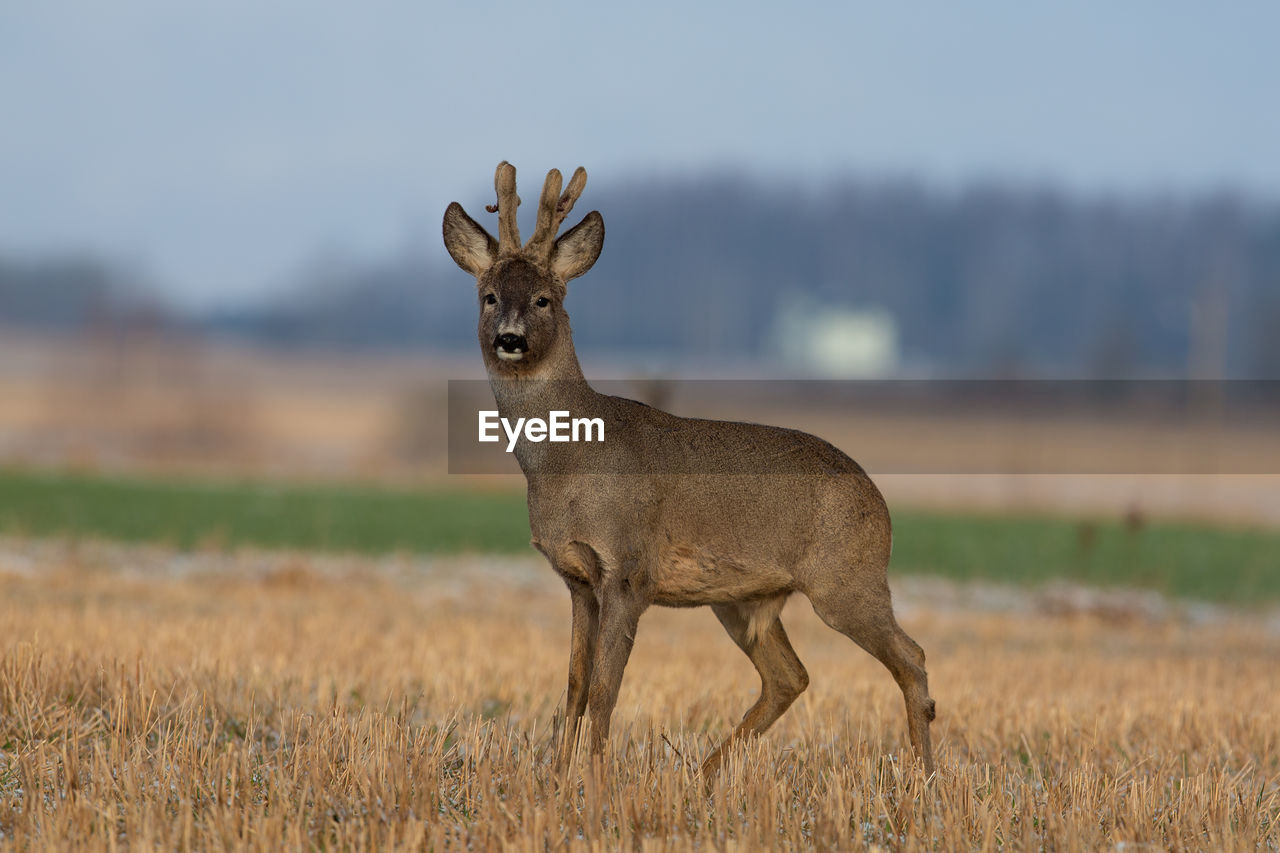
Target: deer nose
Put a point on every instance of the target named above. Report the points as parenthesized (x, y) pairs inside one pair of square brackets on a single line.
[(508, 342)]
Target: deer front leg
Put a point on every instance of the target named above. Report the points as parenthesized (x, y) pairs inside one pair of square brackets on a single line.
[(582, 650), (620, 610)]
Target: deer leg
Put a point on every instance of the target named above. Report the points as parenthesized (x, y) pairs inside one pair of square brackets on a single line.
[(582, 650), (904, 658), (620, 611), (870, 623), (782, 676)]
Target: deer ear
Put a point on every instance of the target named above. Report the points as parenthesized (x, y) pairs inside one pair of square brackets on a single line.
[(578, 248), (468, 243)]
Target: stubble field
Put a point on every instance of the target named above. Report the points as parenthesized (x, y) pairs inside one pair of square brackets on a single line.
[(163, 684), (154, 698)]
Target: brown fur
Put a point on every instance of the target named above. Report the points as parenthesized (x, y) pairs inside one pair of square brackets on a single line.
[(676, 511)]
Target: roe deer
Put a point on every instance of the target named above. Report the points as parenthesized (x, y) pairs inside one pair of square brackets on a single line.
[(668, 510)]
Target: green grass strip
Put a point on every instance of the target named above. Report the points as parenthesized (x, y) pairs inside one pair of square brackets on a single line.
[(189, 513), (1222, 564), (1201, 561)]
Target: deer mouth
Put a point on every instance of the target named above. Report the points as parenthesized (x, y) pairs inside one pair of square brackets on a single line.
[(510, 347)]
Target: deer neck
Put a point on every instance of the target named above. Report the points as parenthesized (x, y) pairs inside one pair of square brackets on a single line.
[(557, 384)]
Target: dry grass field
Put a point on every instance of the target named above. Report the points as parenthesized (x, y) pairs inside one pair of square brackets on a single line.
[(152, 699)]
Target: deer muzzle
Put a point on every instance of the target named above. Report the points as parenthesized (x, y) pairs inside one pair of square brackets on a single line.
[(510, 347)]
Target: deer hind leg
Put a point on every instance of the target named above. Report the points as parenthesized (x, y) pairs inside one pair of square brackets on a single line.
[(868, 620), (758, 631)]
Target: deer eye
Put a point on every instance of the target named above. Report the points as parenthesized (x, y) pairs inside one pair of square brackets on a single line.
[(490, 299), (542, 302)]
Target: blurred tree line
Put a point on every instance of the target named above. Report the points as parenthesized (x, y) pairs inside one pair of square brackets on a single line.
[(989, 280), (74, 293)]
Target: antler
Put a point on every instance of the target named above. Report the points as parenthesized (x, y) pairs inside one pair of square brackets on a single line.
[(552, 210), (504, 182), (553, 207)]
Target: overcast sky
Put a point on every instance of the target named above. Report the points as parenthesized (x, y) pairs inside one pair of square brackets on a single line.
[(223, 144)]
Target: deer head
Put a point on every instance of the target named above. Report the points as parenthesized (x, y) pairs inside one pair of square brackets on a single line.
[(521, 288)]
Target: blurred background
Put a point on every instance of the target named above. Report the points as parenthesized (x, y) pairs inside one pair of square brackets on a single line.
[(220, 245), (1019, 259)]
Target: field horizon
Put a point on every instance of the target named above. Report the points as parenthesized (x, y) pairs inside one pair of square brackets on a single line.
[(180, 407)]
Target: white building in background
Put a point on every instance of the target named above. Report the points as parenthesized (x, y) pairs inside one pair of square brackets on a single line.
[(836, 342)]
